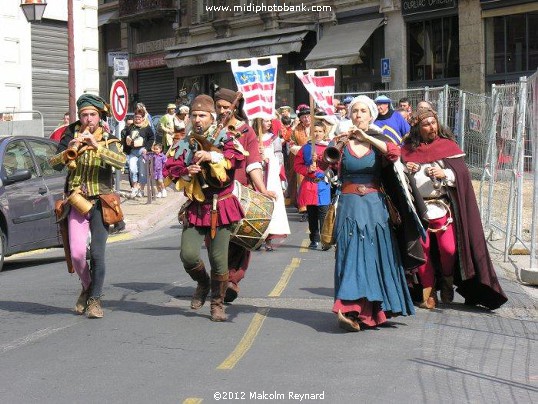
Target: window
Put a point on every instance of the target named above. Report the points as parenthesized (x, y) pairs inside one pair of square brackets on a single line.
[(18, 157), (43, 152), (511, 43), (202, 11), (433, 49)]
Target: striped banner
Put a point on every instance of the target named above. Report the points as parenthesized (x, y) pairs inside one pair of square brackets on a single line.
[(321, 88), (258, 85)]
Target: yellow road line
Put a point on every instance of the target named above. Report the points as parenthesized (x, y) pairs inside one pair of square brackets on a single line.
[(304, 246), (192, 400), (119, 237), (285, 278), (246, 342)]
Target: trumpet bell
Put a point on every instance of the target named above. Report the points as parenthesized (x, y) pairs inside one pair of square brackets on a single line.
[(331, 155)]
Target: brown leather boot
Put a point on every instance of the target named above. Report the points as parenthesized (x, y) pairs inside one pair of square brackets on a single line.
[(428, 301), (199, 274), (219, 283), (447, 289)]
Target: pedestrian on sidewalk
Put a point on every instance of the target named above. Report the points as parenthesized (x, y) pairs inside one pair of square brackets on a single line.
[(158, 159), (90, 175), (139, 138), (212, 210)]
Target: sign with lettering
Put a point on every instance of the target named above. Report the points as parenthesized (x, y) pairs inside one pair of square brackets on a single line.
[(116, 55), (121, 67), (424, 6)]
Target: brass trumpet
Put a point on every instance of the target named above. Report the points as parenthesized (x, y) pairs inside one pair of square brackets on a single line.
[(332, 154)]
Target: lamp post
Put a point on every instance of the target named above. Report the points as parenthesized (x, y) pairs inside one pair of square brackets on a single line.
[(33, 11)]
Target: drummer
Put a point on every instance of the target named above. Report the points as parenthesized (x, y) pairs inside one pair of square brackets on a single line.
[(248, 172), (212, 210)]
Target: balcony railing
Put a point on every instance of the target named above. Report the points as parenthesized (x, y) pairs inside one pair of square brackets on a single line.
[(137, 9)]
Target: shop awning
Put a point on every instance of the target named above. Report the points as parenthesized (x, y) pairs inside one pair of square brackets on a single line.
[(239, 47), (340, 44), (107, 17)]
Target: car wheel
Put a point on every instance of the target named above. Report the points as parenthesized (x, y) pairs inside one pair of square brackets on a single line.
[(2, 249)]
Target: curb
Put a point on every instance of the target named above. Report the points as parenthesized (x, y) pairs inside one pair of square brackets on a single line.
[(154, 217)]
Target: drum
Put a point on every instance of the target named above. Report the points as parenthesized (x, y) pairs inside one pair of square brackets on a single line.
[(252, 230)]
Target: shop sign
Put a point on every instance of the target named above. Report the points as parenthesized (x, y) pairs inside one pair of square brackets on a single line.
[(424, 6), (147, 62), (116, 55), (155, 46)]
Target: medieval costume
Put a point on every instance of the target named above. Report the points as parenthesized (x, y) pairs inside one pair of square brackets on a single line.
[(274, 177), (90, 153), (212, 207), (315, 190), (369, 279), (454, 218)]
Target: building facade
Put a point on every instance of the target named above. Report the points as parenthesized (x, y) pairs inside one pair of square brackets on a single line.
[(177, 48), (34, 62)]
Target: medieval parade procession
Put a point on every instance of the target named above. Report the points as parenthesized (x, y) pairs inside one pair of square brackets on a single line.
[(281, 201)]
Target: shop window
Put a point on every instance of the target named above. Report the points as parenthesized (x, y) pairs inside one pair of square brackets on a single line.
[(433, 49), (511, 43), (202, 11)]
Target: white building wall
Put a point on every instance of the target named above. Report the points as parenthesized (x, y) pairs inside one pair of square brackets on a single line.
[(15, 58)]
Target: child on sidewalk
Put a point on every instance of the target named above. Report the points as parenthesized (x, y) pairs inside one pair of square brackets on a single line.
[(159, 158), (315, 190)]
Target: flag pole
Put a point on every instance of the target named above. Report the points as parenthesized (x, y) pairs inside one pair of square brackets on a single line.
[(312, 136)]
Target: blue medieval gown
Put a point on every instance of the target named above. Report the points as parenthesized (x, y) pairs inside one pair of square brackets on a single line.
[(368, 270)]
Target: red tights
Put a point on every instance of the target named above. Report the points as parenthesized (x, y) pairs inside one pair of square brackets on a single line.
[(446, 241)]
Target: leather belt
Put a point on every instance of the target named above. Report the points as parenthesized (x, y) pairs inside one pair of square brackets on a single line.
[(220, 198), (359, 189), (315, 180)]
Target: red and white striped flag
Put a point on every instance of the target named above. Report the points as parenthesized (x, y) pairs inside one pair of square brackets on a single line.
[(258, 85), (321, 88)]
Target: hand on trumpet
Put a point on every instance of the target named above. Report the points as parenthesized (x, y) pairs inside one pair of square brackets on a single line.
[(89, 139), (357, 133)]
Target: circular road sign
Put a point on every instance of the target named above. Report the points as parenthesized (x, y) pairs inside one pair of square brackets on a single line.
[(119, 100)]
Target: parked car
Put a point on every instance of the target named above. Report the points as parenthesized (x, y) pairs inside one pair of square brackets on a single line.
[(29, 187)]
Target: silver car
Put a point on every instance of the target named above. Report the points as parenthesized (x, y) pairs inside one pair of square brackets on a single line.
[(29, 186)]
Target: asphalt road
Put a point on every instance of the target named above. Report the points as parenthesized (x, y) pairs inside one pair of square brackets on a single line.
[(281, 343)]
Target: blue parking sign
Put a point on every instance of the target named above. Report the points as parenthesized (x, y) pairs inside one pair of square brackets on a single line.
[(385, 67)]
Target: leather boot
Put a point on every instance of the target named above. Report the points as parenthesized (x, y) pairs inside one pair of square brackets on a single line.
[(219, 283), (428, 301), (447, 289), (231, 293), (199, 274)]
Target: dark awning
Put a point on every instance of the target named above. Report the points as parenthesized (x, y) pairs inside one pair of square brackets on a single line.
[(340, 44), (238, 47)]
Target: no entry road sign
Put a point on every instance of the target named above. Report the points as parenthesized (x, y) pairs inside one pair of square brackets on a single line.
[(119, 100)]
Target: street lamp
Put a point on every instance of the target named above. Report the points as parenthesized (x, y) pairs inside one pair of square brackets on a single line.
[(33, 9)]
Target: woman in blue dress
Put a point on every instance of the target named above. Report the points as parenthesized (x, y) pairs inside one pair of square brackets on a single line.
[(369, 280)]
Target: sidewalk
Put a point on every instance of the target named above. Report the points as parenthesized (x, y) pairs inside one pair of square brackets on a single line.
[(139, 215)]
